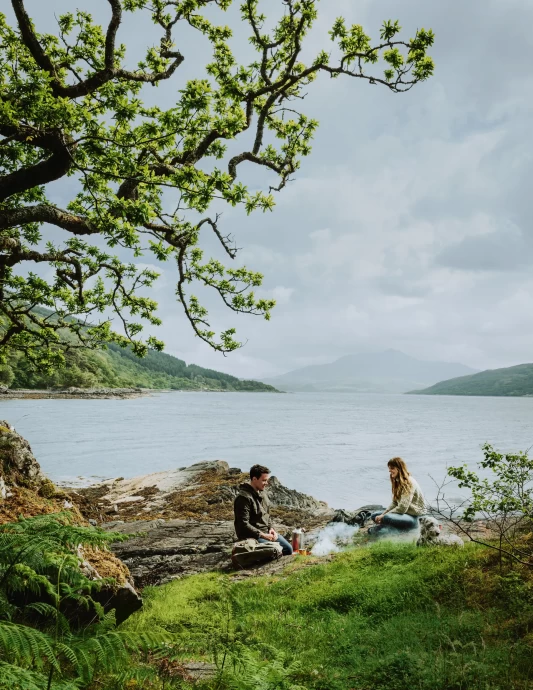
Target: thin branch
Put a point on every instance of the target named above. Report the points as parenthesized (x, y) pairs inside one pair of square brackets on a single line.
[(224, 241)]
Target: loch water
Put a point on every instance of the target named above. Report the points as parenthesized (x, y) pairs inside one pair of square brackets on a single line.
[(333, 446)]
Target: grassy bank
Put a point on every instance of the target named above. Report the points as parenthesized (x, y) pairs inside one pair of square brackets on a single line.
[(388, 617)]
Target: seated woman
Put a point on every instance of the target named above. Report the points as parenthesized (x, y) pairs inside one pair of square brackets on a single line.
[(408, 502)]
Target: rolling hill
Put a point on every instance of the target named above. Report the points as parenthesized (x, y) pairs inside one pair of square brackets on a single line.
[(117, 367), (510, 381), (380, 372), (120, 368)]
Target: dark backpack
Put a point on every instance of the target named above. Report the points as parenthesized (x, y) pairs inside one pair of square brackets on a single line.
[(249, 552)]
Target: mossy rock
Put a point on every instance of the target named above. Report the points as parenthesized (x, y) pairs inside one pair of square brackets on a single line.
[(48, 489), (60, 494)]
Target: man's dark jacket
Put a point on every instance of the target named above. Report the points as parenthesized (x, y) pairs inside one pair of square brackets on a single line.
[(251, 513)]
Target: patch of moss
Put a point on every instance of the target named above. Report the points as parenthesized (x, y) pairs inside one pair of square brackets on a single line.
[(48, 489), (106, 564), (26, 503), (88, 501)]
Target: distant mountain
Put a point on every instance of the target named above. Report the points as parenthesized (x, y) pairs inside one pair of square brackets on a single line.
[(381, 372), (511, 381), (120, 368)]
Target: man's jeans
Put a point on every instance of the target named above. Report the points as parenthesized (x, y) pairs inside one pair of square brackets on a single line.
[(397, 520), (287, 548)]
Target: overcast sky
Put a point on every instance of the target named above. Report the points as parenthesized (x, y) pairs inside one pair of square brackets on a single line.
[(410, 224)]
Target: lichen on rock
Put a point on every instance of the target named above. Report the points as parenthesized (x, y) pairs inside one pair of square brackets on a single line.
[(17, 462), (203, 492), (25, 492)]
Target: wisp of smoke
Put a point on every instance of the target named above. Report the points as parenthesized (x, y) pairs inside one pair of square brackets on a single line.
[(333, 538), (395, 535)]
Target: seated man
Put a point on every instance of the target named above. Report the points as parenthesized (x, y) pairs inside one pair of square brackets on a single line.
[(252, 519)]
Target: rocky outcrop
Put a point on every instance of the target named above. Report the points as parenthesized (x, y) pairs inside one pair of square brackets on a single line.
[(26, 491), (160, 551), (203, 492), (282, 497), (17, 462), (181, 521)]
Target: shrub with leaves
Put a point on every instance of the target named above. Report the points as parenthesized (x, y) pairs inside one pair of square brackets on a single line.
[(504, 501), (71, 105), (43, 597)]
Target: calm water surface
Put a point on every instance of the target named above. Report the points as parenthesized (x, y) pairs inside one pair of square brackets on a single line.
[(334, 446)]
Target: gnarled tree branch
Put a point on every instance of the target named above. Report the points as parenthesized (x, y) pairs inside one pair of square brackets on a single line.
[(45, 213)]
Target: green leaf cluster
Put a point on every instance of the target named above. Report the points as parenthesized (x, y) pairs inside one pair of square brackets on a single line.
[(511, 489), (504, 498), (146, 176)]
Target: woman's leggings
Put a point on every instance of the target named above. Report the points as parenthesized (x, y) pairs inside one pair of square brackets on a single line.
[(397, 520)]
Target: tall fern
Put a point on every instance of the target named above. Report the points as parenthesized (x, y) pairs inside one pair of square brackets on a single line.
[(43, 598)]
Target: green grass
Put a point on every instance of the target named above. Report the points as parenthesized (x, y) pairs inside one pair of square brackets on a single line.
[(389, 617)]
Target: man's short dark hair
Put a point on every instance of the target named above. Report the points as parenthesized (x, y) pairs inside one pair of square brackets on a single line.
[(257, 470)]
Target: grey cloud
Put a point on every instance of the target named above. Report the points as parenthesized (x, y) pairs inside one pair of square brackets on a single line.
[(494, 252), (403, 286)]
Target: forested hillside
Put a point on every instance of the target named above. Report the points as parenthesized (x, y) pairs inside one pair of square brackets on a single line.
[(511, 381), (120, 368)]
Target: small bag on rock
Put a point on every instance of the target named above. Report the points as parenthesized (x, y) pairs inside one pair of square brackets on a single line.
[(249, 552)]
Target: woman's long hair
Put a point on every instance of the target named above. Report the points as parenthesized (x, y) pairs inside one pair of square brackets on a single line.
[(402, 482)]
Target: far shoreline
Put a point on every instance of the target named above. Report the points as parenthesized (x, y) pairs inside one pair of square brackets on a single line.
[(74, 393), (103, 393)]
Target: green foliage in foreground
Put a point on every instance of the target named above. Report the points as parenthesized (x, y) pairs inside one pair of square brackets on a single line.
[(505, 500), (511, 381), (389, 617), (53, 634), (121, 368)]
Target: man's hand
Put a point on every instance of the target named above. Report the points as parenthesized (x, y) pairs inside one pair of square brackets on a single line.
[(379, 519), (273, 532), (268, 536)]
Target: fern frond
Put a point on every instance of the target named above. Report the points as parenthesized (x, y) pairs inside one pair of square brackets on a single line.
[(27, 645), (68, 653), (20, 678), (39, 564), (84, 664), (12, 677), (42, 608), (140, 674), (111, 649), (27, 578), (107, 622)]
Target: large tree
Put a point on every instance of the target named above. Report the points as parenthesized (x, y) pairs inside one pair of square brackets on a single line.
[(71, 106)]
